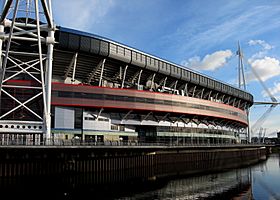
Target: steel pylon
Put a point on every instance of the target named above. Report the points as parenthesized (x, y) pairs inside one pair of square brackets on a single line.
[(26, 50)]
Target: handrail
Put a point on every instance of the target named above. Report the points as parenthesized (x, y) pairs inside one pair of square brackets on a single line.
[(78, 142)]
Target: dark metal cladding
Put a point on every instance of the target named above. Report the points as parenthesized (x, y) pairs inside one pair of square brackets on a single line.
[(138, 59), (85, 44), (164, 68), (151, 64), (69, 39), (203, 81), (211, 83), (218, 86), (104, 48), (176, 72), (186, 75), (119, 53), (94, 46), (194, 78), (74, 42)]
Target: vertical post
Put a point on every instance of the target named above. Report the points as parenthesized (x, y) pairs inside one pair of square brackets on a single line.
[(241, 75), (248, 128), (3, 65), (139, 78), (186, 89), (164, 83), (124, 75), (48, 76), (74, 68), (102, 69), (1, 43), (82, 126), (46, 115), (49, 82), (239, 65)]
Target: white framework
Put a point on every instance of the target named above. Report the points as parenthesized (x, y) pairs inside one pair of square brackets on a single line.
[(36, 65)]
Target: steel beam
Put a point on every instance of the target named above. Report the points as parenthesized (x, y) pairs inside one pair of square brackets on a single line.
[(46, 117), (193, 93), (184, 121), (175, 86), (201, 96), (99, 113), (95, 69), (209, 97), (31, 64), (216, 97), (155, 117), (3, 67), (101, 74), (48, 75), (47, 12), (139, 78), (146, 116), (186, 89), (6, 10), (126, 115), (1, 53), (124, 76), (165, 116), (74, 68), (72, 63)]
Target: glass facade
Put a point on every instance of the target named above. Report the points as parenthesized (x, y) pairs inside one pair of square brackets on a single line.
[(95, 96)]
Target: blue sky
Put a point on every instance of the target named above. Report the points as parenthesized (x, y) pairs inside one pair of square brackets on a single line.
[(199, 34)]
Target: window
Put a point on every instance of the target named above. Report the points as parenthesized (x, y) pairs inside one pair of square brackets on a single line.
[(103, 119), (90, 118), (114, 127), (78, 118)]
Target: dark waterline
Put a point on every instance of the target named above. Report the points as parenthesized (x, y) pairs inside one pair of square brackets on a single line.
[(258, 182)]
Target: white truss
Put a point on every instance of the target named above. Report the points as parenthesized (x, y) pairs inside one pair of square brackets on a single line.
[(29, 22)]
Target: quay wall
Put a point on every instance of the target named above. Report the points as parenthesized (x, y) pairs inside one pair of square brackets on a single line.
[(117, 164)]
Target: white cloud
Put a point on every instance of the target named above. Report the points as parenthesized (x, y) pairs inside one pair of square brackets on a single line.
[(245, 24), (265, 47), (275, 90), (262, 43), (266, 68), (80, 14), (210, 62)]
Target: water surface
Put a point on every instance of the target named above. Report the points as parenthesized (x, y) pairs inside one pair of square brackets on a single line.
[(258, 182)]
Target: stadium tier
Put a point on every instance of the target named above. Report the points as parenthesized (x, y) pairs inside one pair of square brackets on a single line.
[(104, 91)]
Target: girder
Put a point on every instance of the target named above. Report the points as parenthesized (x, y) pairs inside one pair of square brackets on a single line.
[(26, 105)]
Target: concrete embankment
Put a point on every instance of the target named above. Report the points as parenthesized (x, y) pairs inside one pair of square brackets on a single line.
[(116, 164)]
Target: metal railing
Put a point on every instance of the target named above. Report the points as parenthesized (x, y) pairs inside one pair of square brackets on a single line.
[(77, 142)]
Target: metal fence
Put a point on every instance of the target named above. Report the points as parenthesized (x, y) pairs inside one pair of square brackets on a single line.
[(77, 142)]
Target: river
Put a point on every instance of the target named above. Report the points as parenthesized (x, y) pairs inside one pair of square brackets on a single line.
[(257, 182)]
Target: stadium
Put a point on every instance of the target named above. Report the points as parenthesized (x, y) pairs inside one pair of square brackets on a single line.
[(104, 91)]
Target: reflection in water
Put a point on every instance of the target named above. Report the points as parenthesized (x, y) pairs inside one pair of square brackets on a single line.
[(258, 182), (215, 186), (265, 179)]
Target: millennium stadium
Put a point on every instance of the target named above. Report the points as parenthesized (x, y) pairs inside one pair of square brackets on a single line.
[(58, 83)]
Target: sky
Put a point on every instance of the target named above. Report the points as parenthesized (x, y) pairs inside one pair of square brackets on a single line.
[(198, 34)]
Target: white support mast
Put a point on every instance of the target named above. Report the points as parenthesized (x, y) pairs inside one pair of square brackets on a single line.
[(242, 83), (241, 74), (26, 66)]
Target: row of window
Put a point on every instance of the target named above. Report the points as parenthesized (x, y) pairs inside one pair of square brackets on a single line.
[(193, 130), (117, 127), (99, 119), (67, 94)]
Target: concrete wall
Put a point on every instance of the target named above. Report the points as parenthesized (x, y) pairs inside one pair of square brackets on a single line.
[(120, 164)]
